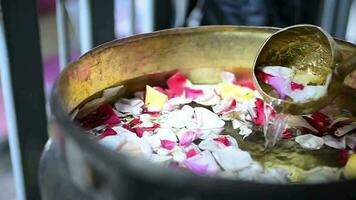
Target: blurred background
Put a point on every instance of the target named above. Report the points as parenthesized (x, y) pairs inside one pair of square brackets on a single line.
[(69, 28)]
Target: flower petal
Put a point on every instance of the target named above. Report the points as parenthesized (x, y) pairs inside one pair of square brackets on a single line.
[(207, 119), (310, 141), (334, 142), (350, 168), (192, 152), (345, 129), (107, 132), (246, 83), (259, 120), (188, 137), (202, 164), (193, 93), (296, 86), (154, 100), (232, 158), (229, 90), (104, 115), (113, 142), (133, 106), (176, 83), (167, 144), (180, 118)]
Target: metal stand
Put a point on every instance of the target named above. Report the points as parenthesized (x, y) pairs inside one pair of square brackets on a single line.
[(22, 81)]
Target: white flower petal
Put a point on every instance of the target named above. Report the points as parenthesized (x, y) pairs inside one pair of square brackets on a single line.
[(180, 118), (113, 142), (166, 134), (232, 158), (228, 77), (335, 142), (210, 145), (179, 155), (123, 131), (279, 71), (133, 106), (207, 119), (165, 160), (137, 147), (153, 140), (179, 101), (310, 141), (208, 133), (308, 92)]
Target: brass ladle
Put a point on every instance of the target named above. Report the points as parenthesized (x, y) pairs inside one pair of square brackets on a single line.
[(313, 55)]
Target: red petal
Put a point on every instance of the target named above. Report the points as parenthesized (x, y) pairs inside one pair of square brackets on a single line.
[(259, 110), (263, 76), (296, 86), (317, 125), (167, 144), (176, 83), (232, 106), (104, 115), (139, 131), (126, 126), (193, 93), (223, 140), (287, 134), (107, 132), (320, 117), (135, 122), (343, 157), (151, 113), (191, 153), (246, 83)]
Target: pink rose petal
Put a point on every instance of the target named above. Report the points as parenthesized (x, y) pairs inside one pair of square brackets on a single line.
[(141, 130), (296, 86), (224, 140), (192, 152), (202, 164), (188, 137), (278, 83), (193, 93), (246, 83), (167, 144), (176, 83), (259, 111)]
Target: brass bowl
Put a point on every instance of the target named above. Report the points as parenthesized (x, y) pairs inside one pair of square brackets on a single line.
[(199, 52)]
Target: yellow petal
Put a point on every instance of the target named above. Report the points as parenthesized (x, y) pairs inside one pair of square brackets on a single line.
[(229, 90), (154, 100), (350, 168)]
